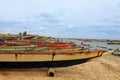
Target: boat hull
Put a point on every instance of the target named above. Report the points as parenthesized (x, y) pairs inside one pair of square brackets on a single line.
[(43, 64), (40, 59)]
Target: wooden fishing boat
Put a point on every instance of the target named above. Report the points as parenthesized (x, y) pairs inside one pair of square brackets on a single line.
[(49, 45), (47, 58), (36, 47), (113, 43), (57, 45), (14, 48), (2, 43), (14, 43)]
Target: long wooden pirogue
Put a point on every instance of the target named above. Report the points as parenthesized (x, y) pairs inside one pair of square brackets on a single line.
[(47, 58)]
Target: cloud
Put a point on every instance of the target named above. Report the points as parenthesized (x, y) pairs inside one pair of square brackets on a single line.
[(50, 25), (64, 18)]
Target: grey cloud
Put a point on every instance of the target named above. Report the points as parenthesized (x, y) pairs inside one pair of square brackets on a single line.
[(46, 17)]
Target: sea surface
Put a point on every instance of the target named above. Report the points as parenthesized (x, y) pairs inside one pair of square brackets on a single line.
[(95, 44)]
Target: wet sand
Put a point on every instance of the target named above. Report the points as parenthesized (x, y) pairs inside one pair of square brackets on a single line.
[(103, 68)]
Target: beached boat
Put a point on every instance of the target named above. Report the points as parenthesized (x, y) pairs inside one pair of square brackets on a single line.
[(49, 45), (40, 47), (47, 58), (15, 48), (57, 45), (14, 43), (113, 43)]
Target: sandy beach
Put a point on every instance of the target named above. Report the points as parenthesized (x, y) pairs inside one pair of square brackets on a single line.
[(104, 68)]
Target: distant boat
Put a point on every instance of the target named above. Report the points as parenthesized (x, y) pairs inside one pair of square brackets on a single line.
[(116, 43)]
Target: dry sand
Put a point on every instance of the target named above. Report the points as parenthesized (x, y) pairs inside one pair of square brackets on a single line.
[(107, 68)]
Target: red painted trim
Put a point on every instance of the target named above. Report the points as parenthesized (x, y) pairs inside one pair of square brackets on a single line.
[(89, 60)]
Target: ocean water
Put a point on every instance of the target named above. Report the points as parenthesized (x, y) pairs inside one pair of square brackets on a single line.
[(95, 44)]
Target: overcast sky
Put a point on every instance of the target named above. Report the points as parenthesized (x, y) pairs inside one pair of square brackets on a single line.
[(62, 18)]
